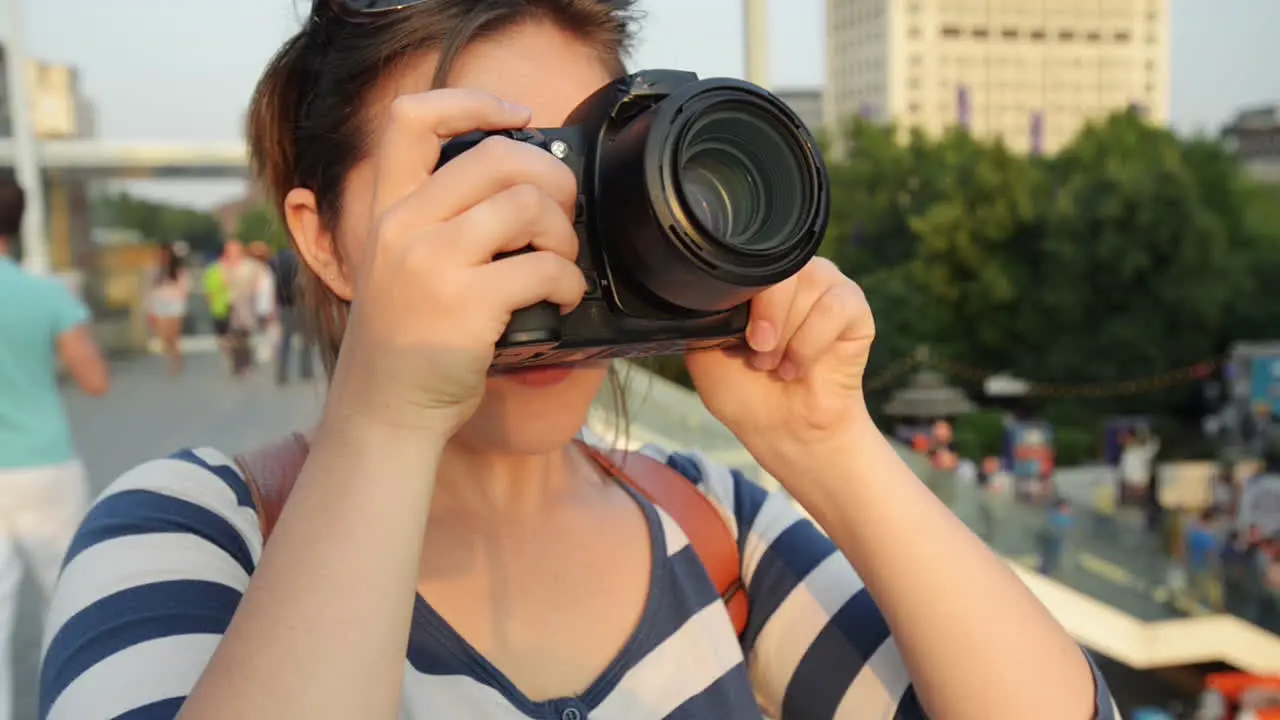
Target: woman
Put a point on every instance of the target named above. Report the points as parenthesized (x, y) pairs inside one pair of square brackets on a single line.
[(267, 332), (452, 510), (170, 287)]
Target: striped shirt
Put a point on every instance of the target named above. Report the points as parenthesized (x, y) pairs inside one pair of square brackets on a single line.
[(158, 567)]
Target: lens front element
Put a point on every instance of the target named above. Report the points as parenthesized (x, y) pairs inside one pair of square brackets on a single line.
[(742, 178)]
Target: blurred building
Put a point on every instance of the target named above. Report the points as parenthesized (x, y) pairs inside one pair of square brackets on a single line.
[(61, 110), (806, 102), (755, 41), (228, 213), (1029, 71), (1254, 135)]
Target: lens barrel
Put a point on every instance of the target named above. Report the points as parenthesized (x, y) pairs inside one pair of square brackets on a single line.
[(735, 185)]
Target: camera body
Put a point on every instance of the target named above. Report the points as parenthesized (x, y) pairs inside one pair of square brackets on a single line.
[(664, 273)]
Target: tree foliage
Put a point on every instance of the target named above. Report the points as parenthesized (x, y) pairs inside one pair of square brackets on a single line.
[(158, 222), (1129, 253), (260, 222)]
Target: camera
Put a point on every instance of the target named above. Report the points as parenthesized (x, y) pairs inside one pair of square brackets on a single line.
[(694, 196)]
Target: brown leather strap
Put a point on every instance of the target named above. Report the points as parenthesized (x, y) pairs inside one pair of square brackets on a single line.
[(271, 471), (706, 529)]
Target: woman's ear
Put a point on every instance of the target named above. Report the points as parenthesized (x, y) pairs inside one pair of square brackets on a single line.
[(315, 243)]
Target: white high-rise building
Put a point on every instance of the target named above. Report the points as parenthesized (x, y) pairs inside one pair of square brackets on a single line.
[(1029, 71)]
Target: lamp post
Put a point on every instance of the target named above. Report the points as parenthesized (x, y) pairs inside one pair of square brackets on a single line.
[(26, 163), (756, 41)]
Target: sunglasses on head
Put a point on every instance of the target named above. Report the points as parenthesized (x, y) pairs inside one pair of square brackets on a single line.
[(365, 9)]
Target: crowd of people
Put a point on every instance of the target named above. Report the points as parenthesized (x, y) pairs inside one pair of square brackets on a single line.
[(1215, 562), (250, 292)]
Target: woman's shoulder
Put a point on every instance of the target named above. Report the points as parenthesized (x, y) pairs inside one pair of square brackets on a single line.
[(739, 497), (198, 492)]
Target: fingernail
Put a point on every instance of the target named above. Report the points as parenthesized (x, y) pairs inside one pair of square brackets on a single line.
[(762, 336), (519, 110)]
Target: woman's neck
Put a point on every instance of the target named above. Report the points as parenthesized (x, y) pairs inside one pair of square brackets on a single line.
[(471, 481)]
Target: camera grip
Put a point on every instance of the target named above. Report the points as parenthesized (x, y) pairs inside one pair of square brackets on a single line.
[(535, 325)]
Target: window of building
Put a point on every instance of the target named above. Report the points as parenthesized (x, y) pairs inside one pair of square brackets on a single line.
[(950, 32)]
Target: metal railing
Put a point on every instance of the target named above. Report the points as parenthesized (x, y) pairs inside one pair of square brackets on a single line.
[(1099, 570)]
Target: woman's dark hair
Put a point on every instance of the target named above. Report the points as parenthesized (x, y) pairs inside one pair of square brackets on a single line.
[(310, 116), (13, 204), (170, 265)]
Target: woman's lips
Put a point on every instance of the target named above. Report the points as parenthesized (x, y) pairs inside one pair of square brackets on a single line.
[(539, 377)]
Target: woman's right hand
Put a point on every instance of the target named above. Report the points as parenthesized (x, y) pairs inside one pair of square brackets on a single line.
[(430, 302)]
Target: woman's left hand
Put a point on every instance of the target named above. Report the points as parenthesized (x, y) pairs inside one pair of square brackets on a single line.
[(797, 389)]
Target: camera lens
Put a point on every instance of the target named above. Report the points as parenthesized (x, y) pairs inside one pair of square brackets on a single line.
[(741, 179), (705, 192)]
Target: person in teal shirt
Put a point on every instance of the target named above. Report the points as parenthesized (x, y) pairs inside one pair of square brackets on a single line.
[(43, 487)]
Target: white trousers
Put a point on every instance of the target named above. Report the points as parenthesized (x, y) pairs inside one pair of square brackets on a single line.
[(40, 510)]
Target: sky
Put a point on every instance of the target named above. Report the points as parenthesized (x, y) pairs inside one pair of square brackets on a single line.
[(183, 69)]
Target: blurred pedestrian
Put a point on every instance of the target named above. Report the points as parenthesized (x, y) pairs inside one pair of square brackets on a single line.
[(1242, 582), (1053, 535), (170, 287), (993, 481), (1203, 553), (267, 332), (234, 280), (293, 322), (43, 488)]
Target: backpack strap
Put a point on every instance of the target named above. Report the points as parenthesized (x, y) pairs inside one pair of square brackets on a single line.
[(271, 471), (667, 488)]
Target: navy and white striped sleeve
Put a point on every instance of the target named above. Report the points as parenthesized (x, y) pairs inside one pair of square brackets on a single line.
[(148, 587), (817, 646)]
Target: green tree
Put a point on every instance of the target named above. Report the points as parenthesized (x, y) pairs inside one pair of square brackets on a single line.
[(1141, 265), (159, 222), (260, 222), (975, 247), (874, 192)]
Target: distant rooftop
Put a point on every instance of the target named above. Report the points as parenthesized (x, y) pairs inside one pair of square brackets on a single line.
[(1266, 117)]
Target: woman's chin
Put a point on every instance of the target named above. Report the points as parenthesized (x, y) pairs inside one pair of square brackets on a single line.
[(534, 410)]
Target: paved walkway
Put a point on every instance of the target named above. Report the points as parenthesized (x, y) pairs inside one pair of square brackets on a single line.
[(148, 415)]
